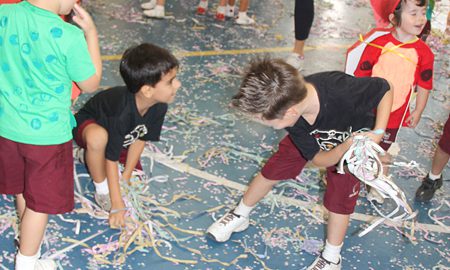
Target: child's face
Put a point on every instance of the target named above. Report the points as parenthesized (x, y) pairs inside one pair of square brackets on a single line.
[(66, 6), (413, 18), (167, 87), (278, 123)]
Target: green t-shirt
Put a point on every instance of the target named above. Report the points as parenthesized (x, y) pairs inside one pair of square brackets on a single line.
[(40, 56)]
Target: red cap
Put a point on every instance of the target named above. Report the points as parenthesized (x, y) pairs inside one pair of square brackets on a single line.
[(382, 9)]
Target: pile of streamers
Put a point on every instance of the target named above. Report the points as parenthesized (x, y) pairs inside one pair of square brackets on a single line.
[(363, 162)]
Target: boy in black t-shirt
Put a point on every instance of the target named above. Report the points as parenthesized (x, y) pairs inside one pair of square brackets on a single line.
[(126, 117), (319, 112)]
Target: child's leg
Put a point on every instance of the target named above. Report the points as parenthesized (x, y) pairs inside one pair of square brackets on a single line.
[(286, 163), (243, 18), (20, 206), (440, 160), (96, 139), (221, 10), (257, 190), (32, 230)]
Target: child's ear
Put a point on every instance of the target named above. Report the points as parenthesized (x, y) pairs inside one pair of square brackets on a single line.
[(391, 18), (147, 90), (291, 112)]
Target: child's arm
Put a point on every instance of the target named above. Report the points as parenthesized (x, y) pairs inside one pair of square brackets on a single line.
[(84, 20), (383, 113), (133, 156), (421, 102), (116, 219)]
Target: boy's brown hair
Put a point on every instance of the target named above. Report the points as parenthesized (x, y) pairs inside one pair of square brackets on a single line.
[(270, 87)]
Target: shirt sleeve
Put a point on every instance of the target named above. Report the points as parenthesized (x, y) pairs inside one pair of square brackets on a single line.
[(79, 63), (368, 59), (425, 79), (304, 142)]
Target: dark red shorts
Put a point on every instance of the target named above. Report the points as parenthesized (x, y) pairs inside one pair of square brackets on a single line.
[(388, 138), (444, 142), (42, 173), (287, 163), (78, 137)]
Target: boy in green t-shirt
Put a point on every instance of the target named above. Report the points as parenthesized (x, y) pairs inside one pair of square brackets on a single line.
[(40, 56)]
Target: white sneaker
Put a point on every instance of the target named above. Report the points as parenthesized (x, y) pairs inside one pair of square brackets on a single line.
[(245, 20), (103, 201), (296, 61), (149, 5), (45, 264), (374, 196), (157, 12), (222, 229), (321, 264)]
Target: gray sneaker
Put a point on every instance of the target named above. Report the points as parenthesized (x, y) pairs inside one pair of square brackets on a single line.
[(103, 201)]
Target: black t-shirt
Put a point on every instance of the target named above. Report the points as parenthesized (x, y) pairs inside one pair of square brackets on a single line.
[(115, 110), (347, 104)]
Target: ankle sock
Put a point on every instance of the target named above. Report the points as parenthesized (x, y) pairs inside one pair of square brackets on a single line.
[(221, 9), (434, 177), (331, 252), (26, 262), (230, 10), (102, 187), (242, 209), (159, 8)]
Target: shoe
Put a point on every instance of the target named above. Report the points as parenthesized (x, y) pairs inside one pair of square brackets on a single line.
[(103, 201), (45, 264), (202, 7), (296, 60), (78, 155), (231, 222), (374, 196), (155, 13), (149, 5), (427, 189), (220, 17), (321, 264), (245, 20)]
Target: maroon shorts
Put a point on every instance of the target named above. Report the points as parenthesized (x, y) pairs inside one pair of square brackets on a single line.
[(42, 173), (78, 137), (444, 142), (388, 138), (287, 163)]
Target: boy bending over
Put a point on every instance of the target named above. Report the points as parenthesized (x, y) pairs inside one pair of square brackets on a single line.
[(125, 117), (319, 112)]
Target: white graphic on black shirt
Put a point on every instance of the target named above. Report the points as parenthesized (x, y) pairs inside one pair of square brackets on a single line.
[(329, 139), (136, 133)]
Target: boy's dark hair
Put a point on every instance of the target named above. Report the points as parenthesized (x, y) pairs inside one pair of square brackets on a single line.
[(270, 87), (145, 64), (398, 10)]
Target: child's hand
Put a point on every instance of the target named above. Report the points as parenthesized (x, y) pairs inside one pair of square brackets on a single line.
[(413, 119), (83, 19), (117, 218)]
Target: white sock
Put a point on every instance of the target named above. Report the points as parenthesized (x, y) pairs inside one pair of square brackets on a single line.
[(242, 209), (102, 187), (26, 262), (331, 252), (434, 177), (242, 14), (221, 9), (159, 8), (230, 8)]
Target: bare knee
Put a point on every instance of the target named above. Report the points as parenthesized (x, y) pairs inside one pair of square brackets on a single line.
[(96, 138)]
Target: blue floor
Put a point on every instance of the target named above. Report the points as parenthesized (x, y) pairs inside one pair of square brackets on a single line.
[(286, 231)]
